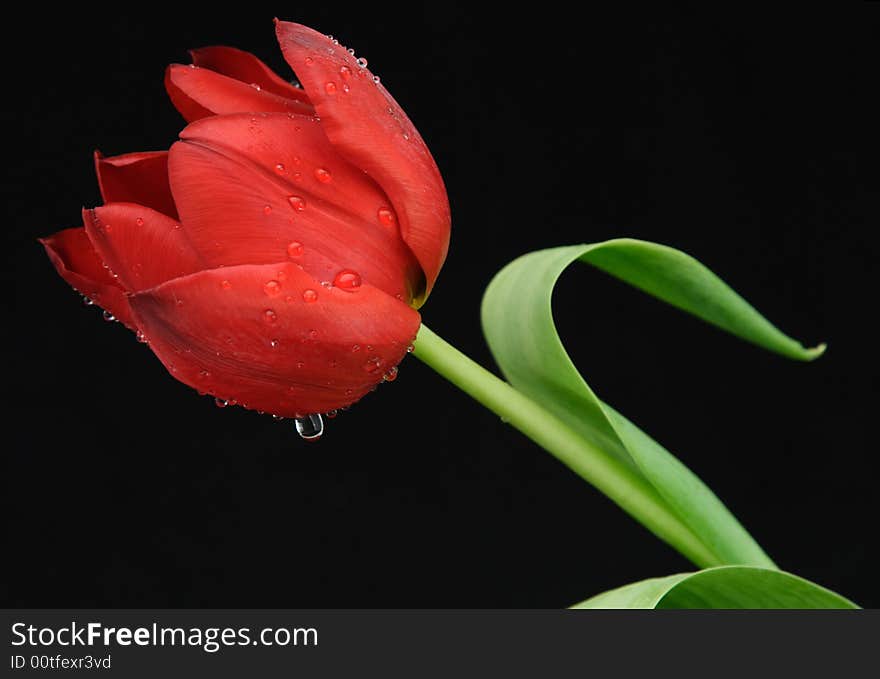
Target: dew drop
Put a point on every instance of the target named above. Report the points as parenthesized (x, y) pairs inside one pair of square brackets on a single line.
[(310, 427), (226, 285), (310, 296), (87, 301), (361, 62), (355, 348), (141, 337), (256, 87), (406, 136), (272, 288), (309, 61), (300, 365), (297, 176), (108, 316), (346, 88), (220, 403), (345, 72), (410, 349), (279, 168), (313, 334), (376, 79), (347, 280), (204, 374), (330, 88), (351, 51), (274, 343), (139, 221), (277, 418), (391, 375), (294, 249), (323, 175), (386, 217), (372, 364), (270, 316), (330, 414), (267, 209), (297, 202)]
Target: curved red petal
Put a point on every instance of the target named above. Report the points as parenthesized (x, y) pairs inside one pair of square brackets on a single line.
[(76, 262), (368, 127), (136, 178), (271, 188), (247, 68), (272, 339), (142, 247), (200, 92)]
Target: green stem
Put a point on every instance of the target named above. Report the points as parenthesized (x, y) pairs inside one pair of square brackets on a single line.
[(611, 476)]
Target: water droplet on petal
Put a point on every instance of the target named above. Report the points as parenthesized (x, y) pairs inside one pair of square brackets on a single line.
[(386, 217), (410, 349), (226, 285), (376, 79), (391, 375), (372, 364), (297, 202), (204, 374), (355, 348), (270, 316), (272, 288), (87, 301), (330, 88), (330, 414), (141, 337), (347, 280), (274, 343), (310, 427), (220, 403), (139, 221), (256, 87), (310, 296), (323, 175), (267, 209), (277, 418), (346, 88), (309, 61), (294, 249), (345, 71), (279, 168), (108, 316), (361, 62)]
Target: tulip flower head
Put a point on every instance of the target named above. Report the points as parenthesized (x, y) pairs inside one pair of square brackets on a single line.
[(275, 256)]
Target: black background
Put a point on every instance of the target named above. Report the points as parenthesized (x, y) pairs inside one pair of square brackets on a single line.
[(741, 138)]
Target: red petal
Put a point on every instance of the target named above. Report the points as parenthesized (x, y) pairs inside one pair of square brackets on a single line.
[(239, 182), (141, 246), (200, 92), (247, 68), (76, 262), (370, 129), (247, 333), (136, 178)]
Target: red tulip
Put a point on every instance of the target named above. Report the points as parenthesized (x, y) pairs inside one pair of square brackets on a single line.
[(276, 254)]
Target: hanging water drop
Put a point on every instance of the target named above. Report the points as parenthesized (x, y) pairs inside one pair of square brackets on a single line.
[(391, 375), (361, 62), (310, 427), (108, 316), (220, 402), (87, 301), (330, 414), (141, 337)]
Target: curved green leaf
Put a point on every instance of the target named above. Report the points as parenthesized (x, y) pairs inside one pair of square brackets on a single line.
[(725, 587), (518, 325)]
